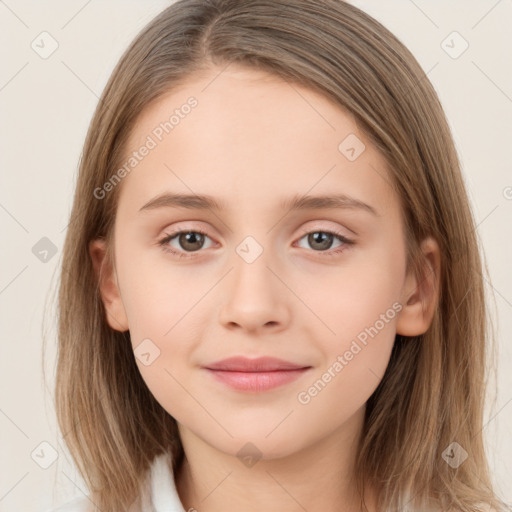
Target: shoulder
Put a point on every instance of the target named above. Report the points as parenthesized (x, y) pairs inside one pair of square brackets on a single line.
[(162, 490), (79, 504)]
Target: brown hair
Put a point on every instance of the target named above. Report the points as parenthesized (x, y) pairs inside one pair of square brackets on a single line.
[(432, 393)]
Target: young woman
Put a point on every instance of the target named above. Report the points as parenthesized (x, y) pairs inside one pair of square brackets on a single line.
[(272, 294)]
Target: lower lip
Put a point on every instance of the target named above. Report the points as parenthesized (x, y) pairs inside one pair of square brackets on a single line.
[(257, 381)]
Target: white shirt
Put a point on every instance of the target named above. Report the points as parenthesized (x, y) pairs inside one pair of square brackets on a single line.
[(163, 491)]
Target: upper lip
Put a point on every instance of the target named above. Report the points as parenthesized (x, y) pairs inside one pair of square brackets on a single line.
[(259, 364)]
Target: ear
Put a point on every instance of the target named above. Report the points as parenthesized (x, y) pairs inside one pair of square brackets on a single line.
[(108, 285), (421, 296)]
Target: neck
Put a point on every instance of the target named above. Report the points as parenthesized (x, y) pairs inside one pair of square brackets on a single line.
[(319, 477)]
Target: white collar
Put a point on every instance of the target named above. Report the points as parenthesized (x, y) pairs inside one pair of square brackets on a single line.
[(163, 489)]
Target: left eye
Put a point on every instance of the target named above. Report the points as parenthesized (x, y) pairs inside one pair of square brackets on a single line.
[(323, 240)]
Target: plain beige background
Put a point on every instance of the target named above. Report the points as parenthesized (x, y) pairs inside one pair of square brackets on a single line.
[(46, 105)]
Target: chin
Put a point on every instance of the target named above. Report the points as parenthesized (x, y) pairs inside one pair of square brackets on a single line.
[(255, 444)]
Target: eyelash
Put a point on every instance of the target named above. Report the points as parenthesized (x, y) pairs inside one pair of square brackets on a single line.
[(331, 253)]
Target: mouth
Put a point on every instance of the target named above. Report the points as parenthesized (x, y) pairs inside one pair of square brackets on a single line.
[(255, 375)]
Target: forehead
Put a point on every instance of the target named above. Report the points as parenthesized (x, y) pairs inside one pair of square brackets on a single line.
[(245, 135)]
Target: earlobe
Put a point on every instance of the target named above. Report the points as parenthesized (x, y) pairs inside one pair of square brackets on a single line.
[(421, 296), (108, 286)]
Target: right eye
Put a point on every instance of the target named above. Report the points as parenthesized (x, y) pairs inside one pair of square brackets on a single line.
[(187, 241)]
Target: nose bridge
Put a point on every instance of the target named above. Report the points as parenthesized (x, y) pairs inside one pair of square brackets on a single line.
[(252, 298), (251, 271)]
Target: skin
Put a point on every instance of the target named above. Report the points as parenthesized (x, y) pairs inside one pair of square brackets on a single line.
[(252, 141)]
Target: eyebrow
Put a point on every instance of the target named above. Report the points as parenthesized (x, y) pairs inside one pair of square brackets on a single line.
[(297, 202)]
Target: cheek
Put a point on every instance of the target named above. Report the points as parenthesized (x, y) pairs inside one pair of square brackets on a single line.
[(352, 296), (358, 308), (165, 310), (355, 362), (335, 396), (158, 295)]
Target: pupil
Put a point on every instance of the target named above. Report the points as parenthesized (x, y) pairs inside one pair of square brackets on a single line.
[(323, 239), (192, 241)]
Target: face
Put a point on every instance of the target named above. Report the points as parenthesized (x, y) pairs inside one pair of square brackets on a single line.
[(321, 285)]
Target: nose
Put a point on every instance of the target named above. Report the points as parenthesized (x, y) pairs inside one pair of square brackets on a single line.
[(254, 299)]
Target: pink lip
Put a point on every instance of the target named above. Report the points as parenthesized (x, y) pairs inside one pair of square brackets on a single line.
[(259, 364), (257, 375)]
